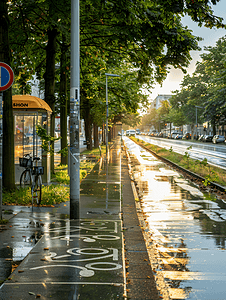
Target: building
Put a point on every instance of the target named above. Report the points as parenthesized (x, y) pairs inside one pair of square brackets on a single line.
[(158, 100)]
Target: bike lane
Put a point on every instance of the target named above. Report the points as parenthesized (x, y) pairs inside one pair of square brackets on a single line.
[(74, 259)]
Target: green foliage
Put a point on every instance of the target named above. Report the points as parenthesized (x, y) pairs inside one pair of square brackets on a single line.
[(187, 155), (17, 197), (136, 40), (204, 162), (61, 177), (46, 139), (212, 176), (205, 88), (54, 194), (4, 221), (63, 151)]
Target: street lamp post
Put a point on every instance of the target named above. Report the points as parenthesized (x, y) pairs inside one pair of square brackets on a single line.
[(75, 113), (197, 120), (112, 75)]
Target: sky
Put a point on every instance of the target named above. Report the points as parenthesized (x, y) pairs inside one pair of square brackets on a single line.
[(210, 37)]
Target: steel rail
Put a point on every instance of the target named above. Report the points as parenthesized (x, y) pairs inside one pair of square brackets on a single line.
[(193, 151), (194, 175)]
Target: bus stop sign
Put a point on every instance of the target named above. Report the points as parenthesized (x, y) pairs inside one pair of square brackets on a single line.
[(6, 76)]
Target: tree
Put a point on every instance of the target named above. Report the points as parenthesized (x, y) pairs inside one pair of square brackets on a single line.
[(212, 67), (163, 113), (183, 102), (205, 88), (147, 34), (42, 24), (131, 120), (8, 130), (151, 119)]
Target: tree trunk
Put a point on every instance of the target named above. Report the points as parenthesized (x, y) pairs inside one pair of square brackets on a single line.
[(8, 167), (109, 134), (193, 133), (213, 124), (103, 134), (50, 82), (95, 137), (63, 103), (87, 121)]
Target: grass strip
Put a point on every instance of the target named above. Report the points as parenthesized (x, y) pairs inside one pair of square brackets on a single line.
[(202, 168), (59, 191)]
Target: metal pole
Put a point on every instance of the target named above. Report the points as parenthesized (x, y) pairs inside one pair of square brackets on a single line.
[(106, 118), (197, 119), (112, 75), (1, 125), (74, 113), (196, 124)]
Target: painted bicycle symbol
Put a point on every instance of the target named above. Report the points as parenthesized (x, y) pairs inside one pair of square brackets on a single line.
[(72, 259)]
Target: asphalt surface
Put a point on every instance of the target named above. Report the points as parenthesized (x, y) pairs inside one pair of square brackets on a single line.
[(100, 256)]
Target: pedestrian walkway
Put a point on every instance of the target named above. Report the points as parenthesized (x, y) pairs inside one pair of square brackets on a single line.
[(74, 259), (100, 256)]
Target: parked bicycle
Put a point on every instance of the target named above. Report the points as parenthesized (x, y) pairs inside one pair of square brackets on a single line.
[(31, 176)]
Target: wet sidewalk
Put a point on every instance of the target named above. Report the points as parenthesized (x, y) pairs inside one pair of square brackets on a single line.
[(73, 259)]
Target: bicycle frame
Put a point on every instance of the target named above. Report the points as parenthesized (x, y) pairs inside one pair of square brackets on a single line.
[(31, 176)]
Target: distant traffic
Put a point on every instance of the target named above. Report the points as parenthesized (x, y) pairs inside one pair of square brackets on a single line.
[(177, 136)]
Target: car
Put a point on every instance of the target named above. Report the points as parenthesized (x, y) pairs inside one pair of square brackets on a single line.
[(218, 139), (131, 132), (173, 134), (208, 138), (178, 136), (201, 137), (186, 136)]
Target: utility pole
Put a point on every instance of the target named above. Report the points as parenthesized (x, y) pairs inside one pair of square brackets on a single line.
[(112, 75), (74, 113), (196, 120)]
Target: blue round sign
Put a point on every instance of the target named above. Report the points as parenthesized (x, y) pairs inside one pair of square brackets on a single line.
[(6, 76)]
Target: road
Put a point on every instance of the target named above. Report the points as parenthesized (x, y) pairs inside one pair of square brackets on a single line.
[(185, 229), (214, 153)]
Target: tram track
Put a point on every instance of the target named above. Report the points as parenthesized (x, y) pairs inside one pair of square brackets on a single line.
[(212, 186), (216, 159), (174, 224)]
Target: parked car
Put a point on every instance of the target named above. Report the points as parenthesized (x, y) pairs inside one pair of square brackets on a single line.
[(131, 132), (201, 137), (218, 139), (186, 136), (208, 138), (173, 134), (178, 136)]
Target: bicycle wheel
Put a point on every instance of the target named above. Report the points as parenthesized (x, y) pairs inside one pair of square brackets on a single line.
[(25, 179), (37, 189)]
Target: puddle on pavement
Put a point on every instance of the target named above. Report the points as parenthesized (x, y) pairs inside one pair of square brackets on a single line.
[(186, 230)]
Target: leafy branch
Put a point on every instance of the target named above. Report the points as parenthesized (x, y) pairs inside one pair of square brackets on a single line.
[(46, 139)]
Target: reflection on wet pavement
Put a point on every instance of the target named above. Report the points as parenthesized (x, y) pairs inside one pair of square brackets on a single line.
[(185, 230), (74, 259)]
